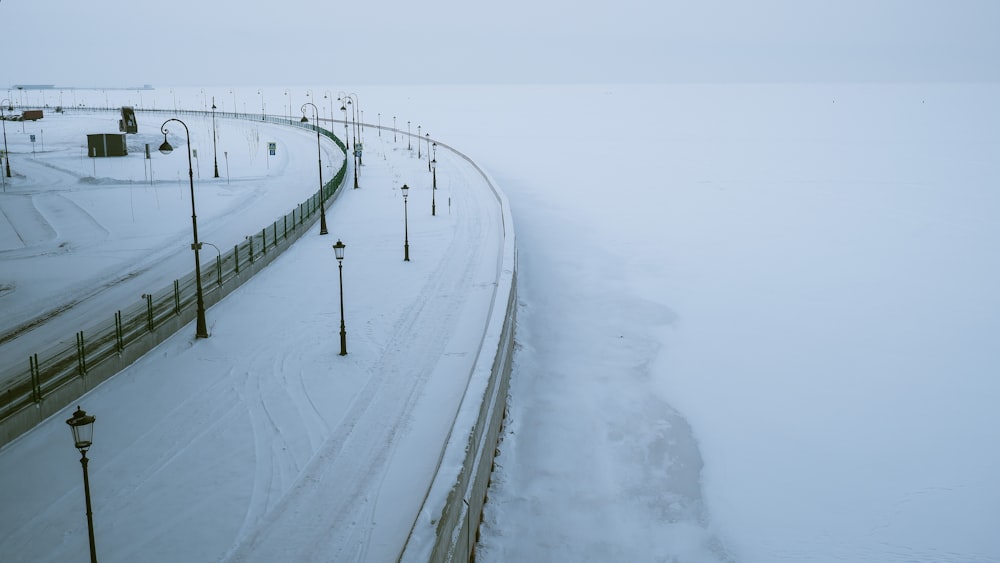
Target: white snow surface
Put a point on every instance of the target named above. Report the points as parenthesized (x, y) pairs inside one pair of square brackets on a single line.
[(757, 323)]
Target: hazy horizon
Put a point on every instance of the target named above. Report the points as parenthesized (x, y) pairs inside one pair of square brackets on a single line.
[(118, 43)]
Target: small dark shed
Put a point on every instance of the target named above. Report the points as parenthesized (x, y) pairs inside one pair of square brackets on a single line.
[(106, 144)]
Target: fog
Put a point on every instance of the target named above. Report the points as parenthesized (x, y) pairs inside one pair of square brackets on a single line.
[(116, 43)]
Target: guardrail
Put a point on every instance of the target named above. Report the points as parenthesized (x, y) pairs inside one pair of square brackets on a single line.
[(448, 527), (60, 374)]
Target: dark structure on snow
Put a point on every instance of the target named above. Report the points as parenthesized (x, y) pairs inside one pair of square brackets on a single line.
[(106, 144)]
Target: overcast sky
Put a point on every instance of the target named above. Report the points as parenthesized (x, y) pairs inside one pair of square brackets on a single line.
[(107, 43)]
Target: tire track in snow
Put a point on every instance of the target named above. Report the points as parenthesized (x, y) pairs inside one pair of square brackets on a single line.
[(341, 520)]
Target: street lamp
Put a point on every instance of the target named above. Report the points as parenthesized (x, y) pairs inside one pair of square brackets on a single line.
[(418, 142), (347, 141), (82, 426), (329, 95), (428, 137), (394, 129), (201, 330), (354, 118), (319, 154), (356, 107), (434, 185), (338, 249), (215, 150), (263, 112), (5, 102), (406, 229), (409, 147)]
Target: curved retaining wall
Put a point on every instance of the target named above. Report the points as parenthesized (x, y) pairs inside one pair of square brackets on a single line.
[(447, 527)]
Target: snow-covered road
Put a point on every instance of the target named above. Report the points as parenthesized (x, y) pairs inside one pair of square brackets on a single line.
[(262, 443)]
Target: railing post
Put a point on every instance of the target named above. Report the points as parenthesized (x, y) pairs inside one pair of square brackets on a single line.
[(118, 332), (149, 310), (177, 297), (263, 240), (236, 258), (81, 359), (218, 268), (36, 379)]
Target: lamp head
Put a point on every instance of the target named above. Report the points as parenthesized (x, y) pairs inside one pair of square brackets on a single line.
[(338, 249), (82, 426), (405, 190), (165, 148)]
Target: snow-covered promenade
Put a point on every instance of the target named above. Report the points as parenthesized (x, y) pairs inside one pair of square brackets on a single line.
[(262, 442)]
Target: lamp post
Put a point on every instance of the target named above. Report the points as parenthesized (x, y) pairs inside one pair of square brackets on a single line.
[(434, 185), (201, 330), (356, 106), (418, 142), (215, 150), (5, 102), (82, 426), (394, 129), (343, 108), (428, 137), (409, 147), (329, 96), (319, 155), (338, 249), (263, 112), (406, 229), (354, 118)]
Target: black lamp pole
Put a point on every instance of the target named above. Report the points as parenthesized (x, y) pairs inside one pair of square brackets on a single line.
[(406, 228), (215, 151), (434, 185), (82, 425), (338, 249), (319, 154), (202, 327), (5, 102), (347, 140), (356, 162)]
